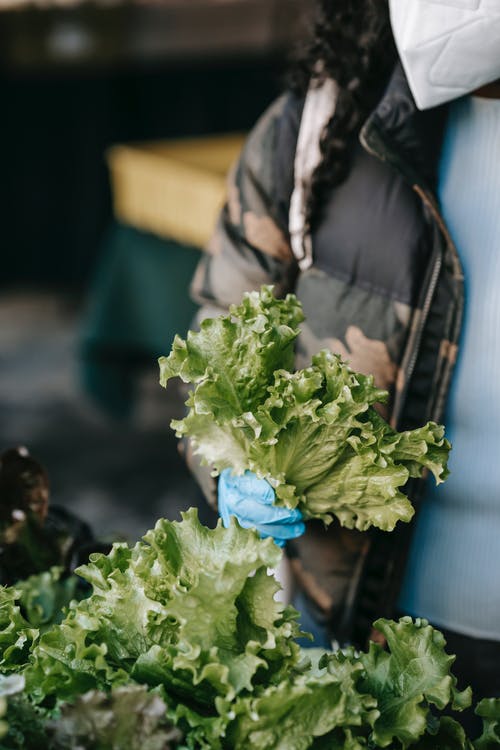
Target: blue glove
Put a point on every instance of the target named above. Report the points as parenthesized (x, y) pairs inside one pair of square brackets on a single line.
[(251, 500)]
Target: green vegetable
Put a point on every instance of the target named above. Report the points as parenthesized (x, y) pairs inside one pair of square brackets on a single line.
[(44, 597), (415, 674), (489, 710), (16, 634), (24, 725), (446, 734), (190, 609), (313, 434), (29, 608), (128, 718), (190, 614), (9, 686), (289, 716)]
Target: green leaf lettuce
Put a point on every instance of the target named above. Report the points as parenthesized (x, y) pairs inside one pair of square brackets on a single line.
[(191, 609), (313, 434)]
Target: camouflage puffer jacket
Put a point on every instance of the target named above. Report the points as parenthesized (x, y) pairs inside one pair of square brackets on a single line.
[(385, 291)]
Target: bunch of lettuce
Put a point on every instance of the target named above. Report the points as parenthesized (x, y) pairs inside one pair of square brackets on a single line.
[(190, 611), (190, 614), (30, 608), (313, 434), (385, 698)]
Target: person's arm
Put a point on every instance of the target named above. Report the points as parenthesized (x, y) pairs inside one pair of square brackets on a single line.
[(250, 245)]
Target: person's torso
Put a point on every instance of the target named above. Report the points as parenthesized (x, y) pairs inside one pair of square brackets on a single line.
[(452, 570), (370, 252), (363, 298), (384, 291)]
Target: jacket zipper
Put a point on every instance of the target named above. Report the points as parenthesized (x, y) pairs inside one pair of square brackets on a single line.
[(431, 288), (428, 201), (458, 270)]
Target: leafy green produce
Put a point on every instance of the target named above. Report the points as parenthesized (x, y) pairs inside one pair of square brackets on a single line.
[(31, 607), (313, 434), (10, 685), (489, 710), (4, 727), (44, 597), (317, 702), (190, 614), (189, 609), (16, 634), (127, 718), (406, 680), (24, 725), (444, 734)]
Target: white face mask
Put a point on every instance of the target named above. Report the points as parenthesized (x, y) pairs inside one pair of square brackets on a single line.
[(448, 47)]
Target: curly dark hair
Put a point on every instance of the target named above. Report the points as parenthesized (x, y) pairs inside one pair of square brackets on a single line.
[(352, 43)]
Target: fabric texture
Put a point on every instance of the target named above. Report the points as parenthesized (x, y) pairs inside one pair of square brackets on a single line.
[(318, 109), (455, 548), (448, 47)]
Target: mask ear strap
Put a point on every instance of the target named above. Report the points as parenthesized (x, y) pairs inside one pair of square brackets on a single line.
[(318, 109)]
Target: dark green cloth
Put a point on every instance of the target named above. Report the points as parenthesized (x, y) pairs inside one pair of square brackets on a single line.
[(138, 301)]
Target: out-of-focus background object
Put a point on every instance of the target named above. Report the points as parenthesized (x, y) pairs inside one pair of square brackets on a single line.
[(87, 299), (173, 189), (76, 77), (166, 196), (51, 32)]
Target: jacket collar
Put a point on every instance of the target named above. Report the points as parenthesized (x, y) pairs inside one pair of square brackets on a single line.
[(405, 137)]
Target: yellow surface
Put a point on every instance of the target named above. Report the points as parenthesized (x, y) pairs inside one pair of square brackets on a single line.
[(174, 189)]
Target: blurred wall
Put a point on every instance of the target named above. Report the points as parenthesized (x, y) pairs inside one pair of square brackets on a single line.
[(103, 83), (54, 192)]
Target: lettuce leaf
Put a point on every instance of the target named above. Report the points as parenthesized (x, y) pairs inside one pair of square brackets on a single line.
[(16, 633), (446, 735), (24, 725), (405, 680), (313, 434), (190, 613), (44, 597), (290, 715), (129, 718), (233, 358), (190, 608), (489, 710), (314, 704), (30, 608)]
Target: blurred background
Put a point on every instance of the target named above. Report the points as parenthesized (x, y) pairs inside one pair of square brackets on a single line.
[(115, 116)]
